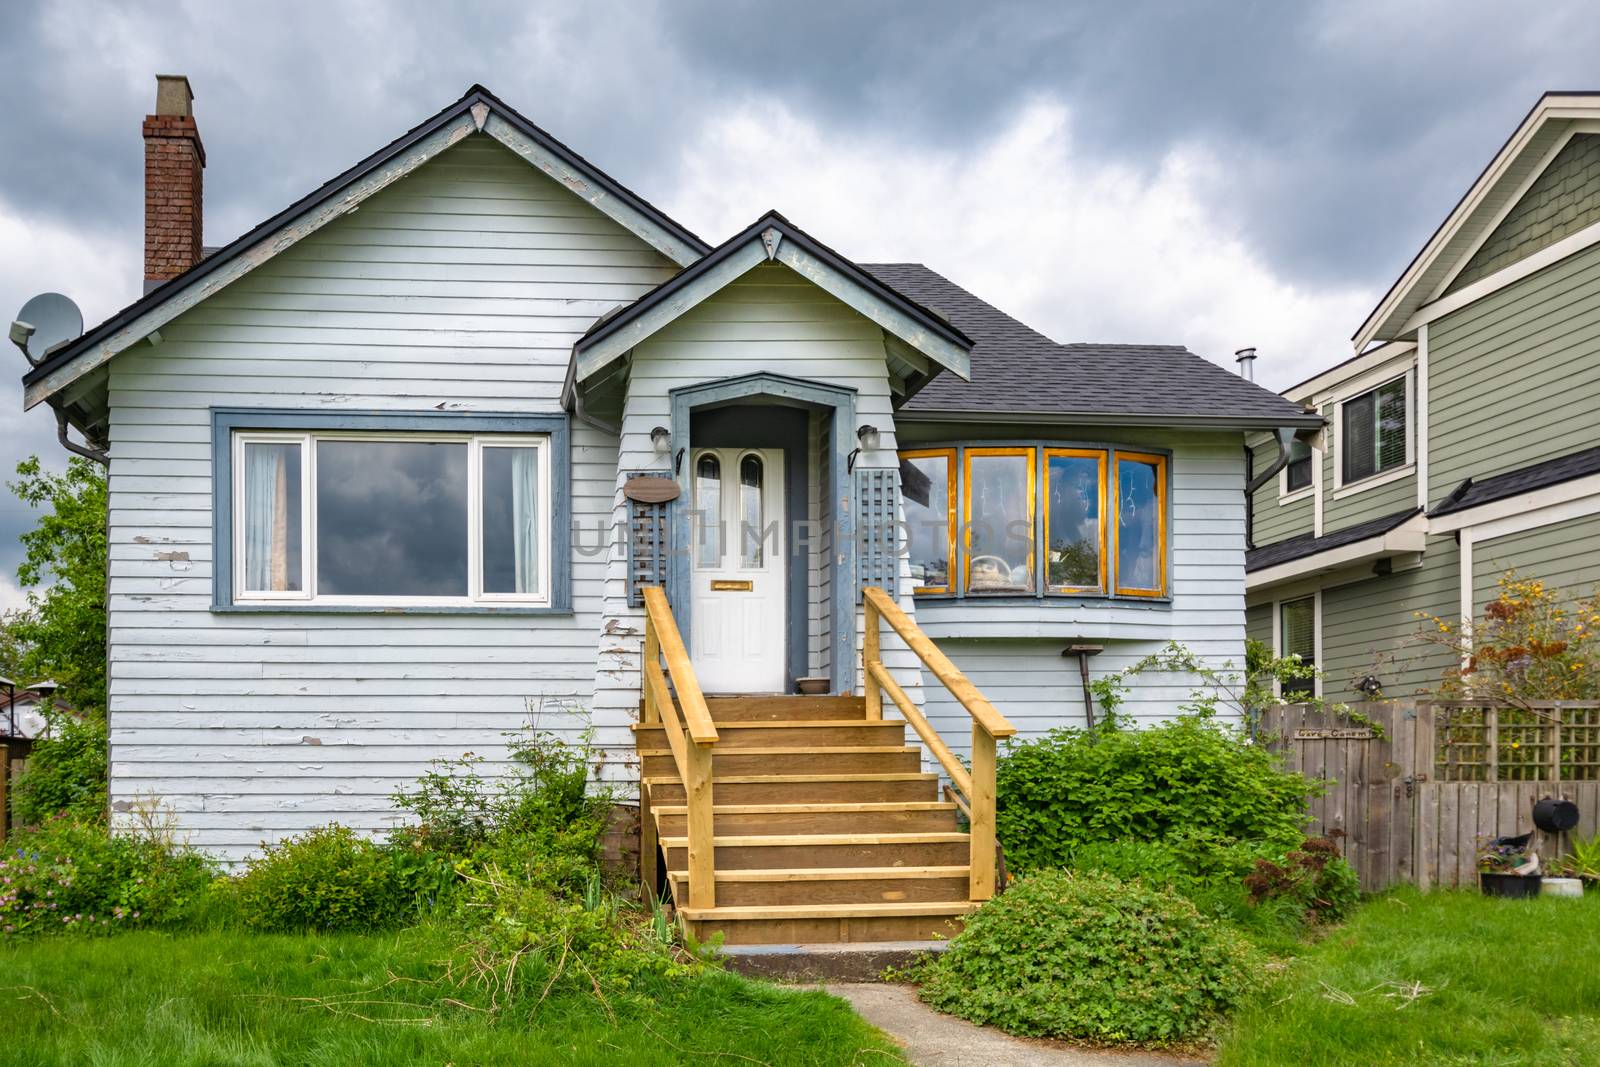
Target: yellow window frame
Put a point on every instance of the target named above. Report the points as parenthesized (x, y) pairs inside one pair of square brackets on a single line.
[(949, 457), (1101, 461), (1030, 454), (1159, 462)]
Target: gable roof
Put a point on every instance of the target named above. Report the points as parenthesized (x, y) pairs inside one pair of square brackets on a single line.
[(478, 111), (773, 238), (1018, 371), (1542, 132)]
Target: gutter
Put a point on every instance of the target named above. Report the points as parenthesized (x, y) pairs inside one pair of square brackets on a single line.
[(1307, 421)]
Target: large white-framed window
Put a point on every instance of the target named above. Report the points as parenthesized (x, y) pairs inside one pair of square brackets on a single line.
[(391, 519), (1374, 435)]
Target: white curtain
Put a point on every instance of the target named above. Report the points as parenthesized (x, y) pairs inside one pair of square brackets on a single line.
[(266, 517), (524, 517)]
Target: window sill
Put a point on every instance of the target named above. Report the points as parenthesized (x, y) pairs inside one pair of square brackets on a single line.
[(1373, 481), (1068, 599), (291, 608), (1298, 495)]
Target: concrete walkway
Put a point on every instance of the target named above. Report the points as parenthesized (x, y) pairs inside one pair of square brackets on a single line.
[(934, 1040)]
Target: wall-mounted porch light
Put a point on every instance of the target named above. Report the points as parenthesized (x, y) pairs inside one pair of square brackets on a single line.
[(868, 436), (661, 440)]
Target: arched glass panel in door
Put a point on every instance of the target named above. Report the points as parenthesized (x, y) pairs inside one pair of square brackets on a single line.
[(751, 516), (708, 510)]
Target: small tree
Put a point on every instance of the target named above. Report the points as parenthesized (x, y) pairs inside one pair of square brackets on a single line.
[(1531, 644), (61, 635)]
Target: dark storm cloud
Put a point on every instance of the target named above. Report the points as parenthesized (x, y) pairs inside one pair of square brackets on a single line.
[(1349, 129)]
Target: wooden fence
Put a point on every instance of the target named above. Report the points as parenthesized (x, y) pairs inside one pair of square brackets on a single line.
[(1414, 787)]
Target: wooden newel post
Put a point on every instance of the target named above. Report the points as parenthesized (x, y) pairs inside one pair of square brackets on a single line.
[(982, 860), (702, 854), (871, 654), (649, 838), (5, 771)]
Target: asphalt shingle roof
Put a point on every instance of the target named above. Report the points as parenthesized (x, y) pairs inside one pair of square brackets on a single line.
[(1017, 370), (1469, 494), (1292, 548)]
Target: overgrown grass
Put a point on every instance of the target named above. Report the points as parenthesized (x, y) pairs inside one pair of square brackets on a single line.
[(1446, 978), (356, 1000)]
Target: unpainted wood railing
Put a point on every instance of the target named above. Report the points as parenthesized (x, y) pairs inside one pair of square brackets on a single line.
[(974, 790), (691, 739)]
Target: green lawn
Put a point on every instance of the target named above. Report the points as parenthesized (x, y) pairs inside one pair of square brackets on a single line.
[(1447, 978), (230, 998)]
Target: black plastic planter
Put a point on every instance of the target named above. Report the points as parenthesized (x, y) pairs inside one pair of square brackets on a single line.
[(1509, 885)]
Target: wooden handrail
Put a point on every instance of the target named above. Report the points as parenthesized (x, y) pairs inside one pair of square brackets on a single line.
[(691, 735), (941, 751), (978, 784), (959, 684), (696, 717)]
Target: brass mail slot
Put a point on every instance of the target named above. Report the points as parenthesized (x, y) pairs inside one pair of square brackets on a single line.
[(728, 585)]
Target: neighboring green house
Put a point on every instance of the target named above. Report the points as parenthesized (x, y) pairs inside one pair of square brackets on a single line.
[(1464, 438)]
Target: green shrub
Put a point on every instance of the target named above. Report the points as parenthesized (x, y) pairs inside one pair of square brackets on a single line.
[(1313, 878), (65, 773), (1090, 956), (324, 879), (1193, 775), (72, 876), (542, 823)]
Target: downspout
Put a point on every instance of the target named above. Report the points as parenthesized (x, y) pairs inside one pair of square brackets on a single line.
[(72, 446)]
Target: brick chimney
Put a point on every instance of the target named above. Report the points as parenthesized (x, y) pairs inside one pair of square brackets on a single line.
[(174, 165)]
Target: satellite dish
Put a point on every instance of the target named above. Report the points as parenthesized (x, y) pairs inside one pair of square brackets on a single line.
[(44, 324)]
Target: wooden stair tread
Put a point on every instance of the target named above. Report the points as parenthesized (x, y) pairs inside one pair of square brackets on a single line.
[(792, 750), (803, 809), (785, 724), (886, 776), (746, 841), (831, 874), (827, 911)]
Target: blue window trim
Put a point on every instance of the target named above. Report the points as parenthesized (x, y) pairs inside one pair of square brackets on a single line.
[(227, 421), (1041, 592)]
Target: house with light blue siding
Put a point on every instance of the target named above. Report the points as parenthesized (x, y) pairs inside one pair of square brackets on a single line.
[(395, 473), (1462, 439)]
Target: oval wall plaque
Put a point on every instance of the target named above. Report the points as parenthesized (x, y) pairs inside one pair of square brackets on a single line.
[(647, 489)]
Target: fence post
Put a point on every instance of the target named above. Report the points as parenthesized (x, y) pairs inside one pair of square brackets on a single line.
[(1491, 737), (981, 869), (1555, 743), (5, 771), (871, 652), (649, 838)]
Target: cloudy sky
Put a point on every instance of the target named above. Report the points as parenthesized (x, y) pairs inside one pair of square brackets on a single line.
[(1212, 174)]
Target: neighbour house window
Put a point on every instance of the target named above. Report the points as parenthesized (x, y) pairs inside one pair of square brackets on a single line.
[(928, 487), (1297, 636), (392, 519), (1036, 520), (1373, 434), (1297, 474)]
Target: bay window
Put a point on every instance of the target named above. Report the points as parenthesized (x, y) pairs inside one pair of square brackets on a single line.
[(928, 487), (382, 519), (1035, 520)]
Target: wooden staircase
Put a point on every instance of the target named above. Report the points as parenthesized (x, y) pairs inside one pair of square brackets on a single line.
[(813, 821)]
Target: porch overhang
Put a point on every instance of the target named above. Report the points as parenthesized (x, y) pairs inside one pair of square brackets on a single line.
[(772, 238), (1407, 537)]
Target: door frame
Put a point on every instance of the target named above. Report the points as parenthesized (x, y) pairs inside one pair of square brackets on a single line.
[(840, 403)]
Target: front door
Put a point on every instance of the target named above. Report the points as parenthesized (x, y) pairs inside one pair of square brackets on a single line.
[(737, 577)]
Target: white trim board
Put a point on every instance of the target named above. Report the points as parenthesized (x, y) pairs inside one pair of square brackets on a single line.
[(1514, 523), (1510, 508)]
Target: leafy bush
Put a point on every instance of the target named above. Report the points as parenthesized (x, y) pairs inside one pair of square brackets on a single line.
[(1090, 956), (1313, 878), (70, 876), (65, 773), (324, 879), (1192, 775), (541, 823)]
